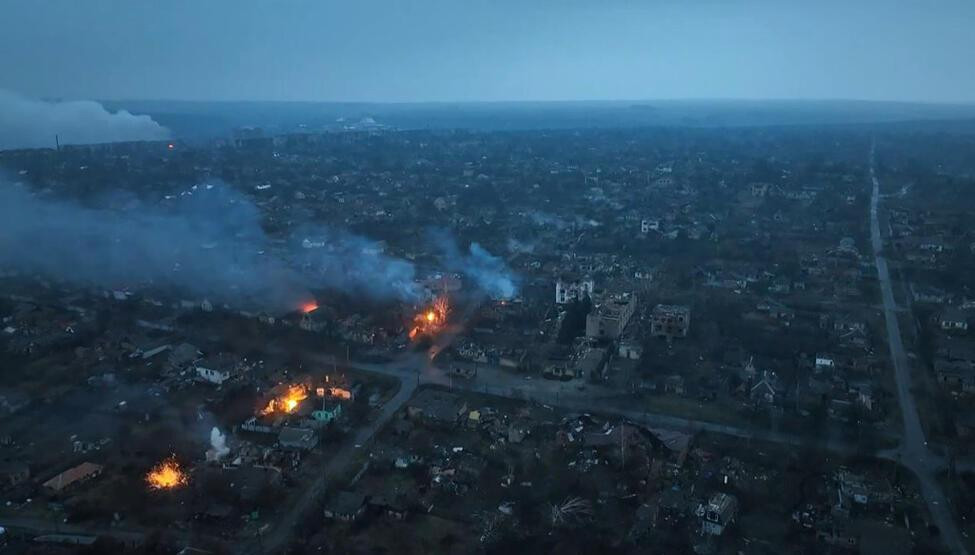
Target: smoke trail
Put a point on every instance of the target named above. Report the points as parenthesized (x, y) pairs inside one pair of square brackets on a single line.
[(29, 123)]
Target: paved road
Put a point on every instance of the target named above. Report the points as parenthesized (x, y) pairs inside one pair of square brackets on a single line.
[(594, 398), (277, 537), (913, 452)]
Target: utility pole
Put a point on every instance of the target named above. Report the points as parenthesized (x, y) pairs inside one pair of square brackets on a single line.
[(622, 445)]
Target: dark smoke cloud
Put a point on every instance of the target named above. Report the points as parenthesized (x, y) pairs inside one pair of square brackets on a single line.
[(28, 123)]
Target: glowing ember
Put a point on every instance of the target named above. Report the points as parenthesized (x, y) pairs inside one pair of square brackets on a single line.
[(287, 402), (308, 307), (431, 320), (166, 475)]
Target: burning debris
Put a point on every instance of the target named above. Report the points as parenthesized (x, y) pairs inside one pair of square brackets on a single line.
[(168, 474), (287, 402), (431, 320)]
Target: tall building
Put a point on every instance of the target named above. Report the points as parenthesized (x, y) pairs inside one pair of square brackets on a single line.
[(609, 317)]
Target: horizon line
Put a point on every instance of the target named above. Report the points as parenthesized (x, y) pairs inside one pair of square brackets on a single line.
[(832, 100)]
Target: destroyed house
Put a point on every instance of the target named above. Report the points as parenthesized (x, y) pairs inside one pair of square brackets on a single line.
[(297, 438), (345, 506), (670, 321), (719, 513), (437, 407)]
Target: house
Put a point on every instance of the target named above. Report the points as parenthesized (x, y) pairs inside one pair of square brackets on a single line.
[(436, 407), (217, 369), (303, 439), (953, 320), (670, 321), (346, 506), (719, 513), (674, 384), (929, 295), (326, 416), (610, 317), (857, 489), (649, 224), (824, 362), (955, 375), (73, 475)]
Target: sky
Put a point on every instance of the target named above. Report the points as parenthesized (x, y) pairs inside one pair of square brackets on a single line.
[(491, 50)]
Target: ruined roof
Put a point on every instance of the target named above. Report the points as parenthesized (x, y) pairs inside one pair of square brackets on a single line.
[(72, 475)]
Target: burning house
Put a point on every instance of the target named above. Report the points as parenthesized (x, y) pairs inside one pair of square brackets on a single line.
[(431, 320), (285, 400)]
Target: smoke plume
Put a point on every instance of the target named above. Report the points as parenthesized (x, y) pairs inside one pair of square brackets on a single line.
[(218, 444), (488, 272), (347, 262), (209, 243), (29, 123)]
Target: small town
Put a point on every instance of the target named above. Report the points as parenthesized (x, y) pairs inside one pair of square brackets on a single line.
[(419, 278), (684, 352)]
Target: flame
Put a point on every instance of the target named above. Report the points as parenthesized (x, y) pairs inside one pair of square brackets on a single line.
[(310, 306), (287, 402), (431, 320), (166, 475)]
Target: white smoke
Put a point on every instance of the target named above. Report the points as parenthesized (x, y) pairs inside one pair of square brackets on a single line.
[(218, 444), (29, 123)]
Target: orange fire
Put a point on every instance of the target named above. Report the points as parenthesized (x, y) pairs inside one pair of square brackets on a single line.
[(287, 402), (166, 475), (431, 320), (310, 306)]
